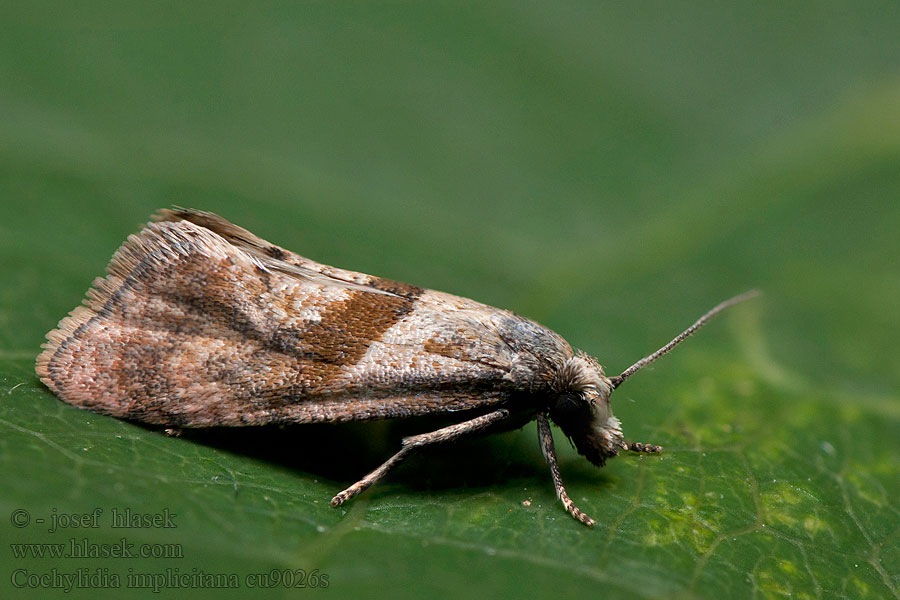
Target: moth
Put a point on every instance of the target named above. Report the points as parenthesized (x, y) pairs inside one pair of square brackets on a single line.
[(200, 323)]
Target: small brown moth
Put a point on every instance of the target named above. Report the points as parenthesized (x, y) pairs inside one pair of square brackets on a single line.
[(200, 323)]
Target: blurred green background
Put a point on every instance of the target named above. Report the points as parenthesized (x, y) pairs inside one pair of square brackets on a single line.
[(610, 170)]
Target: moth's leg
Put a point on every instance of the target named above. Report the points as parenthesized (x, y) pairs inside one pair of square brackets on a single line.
[(643, 448), (445, 434), (549, 451)]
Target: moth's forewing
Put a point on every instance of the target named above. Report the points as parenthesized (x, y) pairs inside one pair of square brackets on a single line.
[(201, 323)]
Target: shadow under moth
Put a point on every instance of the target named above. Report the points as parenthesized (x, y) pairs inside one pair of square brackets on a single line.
[(200, 323)]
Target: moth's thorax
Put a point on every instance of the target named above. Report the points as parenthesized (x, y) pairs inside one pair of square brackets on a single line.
[(582, 373), (582, 409)]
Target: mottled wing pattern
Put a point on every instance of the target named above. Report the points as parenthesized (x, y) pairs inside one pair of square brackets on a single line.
[(199, 323)]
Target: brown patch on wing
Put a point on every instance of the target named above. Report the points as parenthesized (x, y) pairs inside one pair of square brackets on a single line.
[(452, 348), (342, 335)]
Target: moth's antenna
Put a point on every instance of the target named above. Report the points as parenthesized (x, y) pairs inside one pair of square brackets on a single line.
[(617, 380)]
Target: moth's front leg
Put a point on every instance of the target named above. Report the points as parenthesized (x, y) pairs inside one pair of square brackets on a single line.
[(444, 434), (643, 448), (545, 436)]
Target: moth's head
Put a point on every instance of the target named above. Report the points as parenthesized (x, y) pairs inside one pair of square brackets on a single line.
[(581, 409), (580, 402)]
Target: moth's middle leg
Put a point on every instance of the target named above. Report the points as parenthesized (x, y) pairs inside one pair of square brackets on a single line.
[(444, 434)]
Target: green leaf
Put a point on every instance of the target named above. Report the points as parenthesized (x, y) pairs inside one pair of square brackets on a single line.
[(610, 171)]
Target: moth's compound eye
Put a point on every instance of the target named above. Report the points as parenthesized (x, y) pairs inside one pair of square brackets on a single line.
[(569, 407)]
